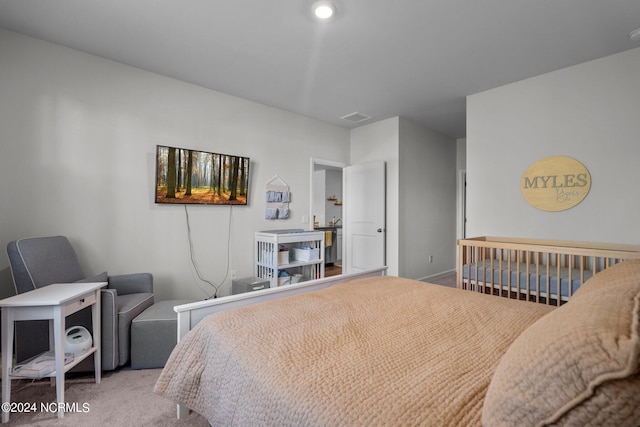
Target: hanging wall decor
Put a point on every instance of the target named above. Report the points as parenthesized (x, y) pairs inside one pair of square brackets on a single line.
[(277, 199), (555, 183)]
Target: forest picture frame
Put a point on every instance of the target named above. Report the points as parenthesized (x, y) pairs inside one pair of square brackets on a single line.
[(188, 176)]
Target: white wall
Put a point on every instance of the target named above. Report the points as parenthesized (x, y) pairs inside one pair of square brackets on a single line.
[(590, 112), (461, 153), (333, 188), (319, 204), (380, 141), (78, 145)]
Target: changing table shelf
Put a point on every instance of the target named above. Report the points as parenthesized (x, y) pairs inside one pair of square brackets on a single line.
[(288, 256)]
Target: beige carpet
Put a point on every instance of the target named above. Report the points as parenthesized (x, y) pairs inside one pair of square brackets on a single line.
[(123, 398), (446, 279)]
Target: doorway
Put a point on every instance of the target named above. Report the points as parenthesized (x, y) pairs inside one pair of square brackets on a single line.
[(325, 211)]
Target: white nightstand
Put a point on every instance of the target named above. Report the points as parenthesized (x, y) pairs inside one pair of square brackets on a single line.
[(54, 303)]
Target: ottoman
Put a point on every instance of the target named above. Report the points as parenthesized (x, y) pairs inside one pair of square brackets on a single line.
[(154, 334)]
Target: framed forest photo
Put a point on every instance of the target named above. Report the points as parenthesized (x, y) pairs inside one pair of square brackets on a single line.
[(200, 177)]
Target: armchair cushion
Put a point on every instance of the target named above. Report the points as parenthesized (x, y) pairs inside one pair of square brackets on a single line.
[(126, 296), (102, 277), (109, 326), (37, 262), (129, 307), (132, 283)]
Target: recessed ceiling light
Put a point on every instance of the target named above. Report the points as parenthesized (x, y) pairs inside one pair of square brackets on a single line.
[(323, 10), (635, 35)]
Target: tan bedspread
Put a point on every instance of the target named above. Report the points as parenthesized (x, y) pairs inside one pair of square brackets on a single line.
[(377, 351)]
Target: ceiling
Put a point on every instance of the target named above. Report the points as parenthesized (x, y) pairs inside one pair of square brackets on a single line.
[(417, 59)]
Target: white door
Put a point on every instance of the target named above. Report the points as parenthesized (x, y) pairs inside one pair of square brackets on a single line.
[(364, 216)]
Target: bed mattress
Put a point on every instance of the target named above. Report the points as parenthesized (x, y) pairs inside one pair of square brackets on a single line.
[(376, 351)]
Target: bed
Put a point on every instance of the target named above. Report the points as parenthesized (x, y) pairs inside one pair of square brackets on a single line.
[(527, 268), (384, 350)]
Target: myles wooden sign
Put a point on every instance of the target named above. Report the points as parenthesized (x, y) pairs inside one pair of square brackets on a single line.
[(555, 183)]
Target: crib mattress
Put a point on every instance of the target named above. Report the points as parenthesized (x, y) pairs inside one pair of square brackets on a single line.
[(520, 269)]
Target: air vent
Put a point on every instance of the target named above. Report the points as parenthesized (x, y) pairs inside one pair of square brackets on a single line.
[(356, 117)]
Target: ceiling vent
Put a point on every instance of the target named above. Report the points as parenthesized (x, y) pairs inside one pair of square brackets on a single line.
[(356, 117)]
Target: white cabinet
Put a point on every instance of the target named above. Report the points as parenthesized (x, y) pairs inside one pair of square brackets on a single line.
[(289, 256), (339, 243)]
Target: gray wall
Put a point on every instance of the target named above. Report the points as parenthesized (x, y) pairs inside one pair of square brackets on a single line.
[(421, 193), (427, 202), (590, 112), (79, 135)]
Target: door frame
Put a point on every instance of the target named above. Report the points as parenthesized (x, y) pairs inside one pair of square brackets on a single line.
[(313, 162), (461, 221)]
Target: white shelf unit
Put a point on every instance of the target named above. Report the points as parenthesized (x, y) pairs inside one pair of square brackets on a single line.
[(269, 263)]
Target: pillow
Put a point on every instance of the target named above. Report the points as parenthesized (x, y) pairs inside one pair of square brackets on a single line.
[(619, 274), (578, 364), (102, 277)]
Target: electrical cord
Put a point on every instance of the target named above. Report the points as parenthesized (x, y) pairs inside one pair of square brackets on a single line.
[(193, 261)]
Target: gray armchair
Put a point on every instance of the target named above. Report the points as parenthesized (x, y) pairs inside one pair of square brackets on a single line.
[(41, 261)]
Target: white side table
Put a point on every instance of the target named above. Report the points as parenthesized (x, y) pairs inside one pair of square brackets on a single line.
[(54, 303)]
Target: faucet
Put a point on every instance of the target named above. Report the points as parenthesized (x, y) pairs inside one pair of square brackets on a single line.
[(335, 221)]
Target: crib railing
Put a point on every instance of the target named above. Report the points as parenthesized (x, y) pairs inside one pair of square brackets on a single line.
[(546, 271)]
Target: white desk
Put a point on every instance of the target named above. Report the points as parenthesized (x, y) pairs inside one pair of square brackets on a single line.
[(53, 303)]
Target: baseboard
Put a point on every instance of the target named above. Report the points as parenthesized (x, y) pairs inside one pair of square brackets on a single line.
[(443, 273)]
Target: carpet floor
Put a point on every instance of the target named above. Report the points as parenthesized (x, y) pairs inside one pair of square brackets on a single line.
[(123, 398), (445, 279)]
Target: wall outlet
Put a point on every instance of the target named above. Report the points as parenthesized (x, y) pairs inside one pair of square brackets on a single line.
[(234, 274)]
